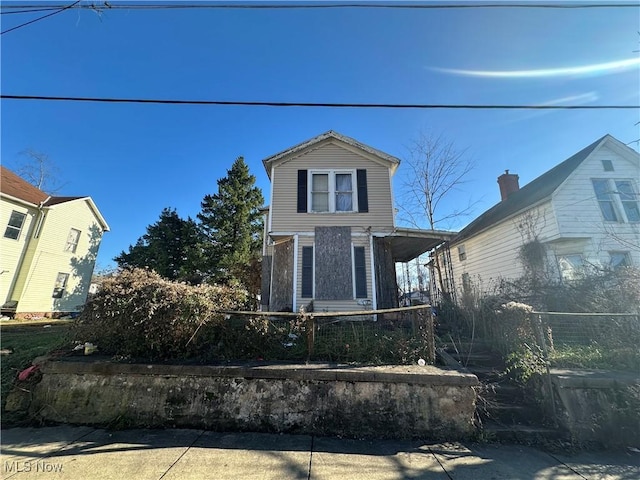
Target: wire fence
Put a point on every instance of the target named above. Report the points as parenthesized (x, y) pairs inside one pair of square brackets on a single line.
[(592, 340), (389, 336), (566, 340)]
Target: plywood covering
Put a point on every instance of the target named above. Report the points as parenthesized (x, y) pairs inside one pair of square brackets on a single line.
[(282, 287), (334, 279)]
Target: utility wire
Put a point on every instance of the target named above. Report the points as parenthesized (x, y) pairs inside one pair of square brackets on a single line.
[(289, 6), (41, 18), (322, 105), (35, 10)]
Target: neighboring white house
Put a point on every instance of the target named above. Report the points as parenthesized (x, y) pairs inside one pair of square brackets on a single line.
[(48, 249), (585, 211), (330, 236)]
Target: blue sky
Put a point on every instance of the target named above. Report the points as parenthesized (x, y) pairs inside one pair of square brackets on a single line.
[(134, 160)]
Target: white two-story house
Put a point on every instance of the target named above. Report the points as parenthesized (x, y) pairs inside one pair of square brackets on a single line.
[(48, 249), (331, 242), (584, 212)]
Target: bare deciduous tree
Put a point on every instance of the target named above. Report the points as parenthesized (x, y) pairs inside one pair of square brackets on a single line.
[(436, 170), (38, 169)]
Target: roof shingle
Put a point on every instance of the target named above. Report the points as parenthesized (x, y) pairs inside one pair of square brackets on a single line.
[(11, 184), (530, 194)]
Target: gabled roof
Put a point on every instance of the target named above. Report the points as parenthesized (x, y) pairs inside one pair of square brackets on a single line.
[(14, 186), (391, 160), (535, 191), (57, 200)]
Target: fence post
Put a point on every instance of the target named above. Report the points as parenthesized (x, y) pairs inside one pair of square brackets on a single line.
[(545, 353), (311, 333), (431, 341)]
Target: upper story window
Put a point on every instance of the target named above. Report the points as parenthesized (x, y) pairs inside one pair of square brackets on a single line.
[(618, 199), (16, 221), (462, 253), (72, 241), (332, 191)]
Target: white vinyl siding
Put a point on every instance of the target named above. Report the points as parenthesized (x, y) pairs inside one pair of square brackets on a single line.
[(578, 210), (11, 251), (47, 258), (493, 255), (330, 157), (570, 223)]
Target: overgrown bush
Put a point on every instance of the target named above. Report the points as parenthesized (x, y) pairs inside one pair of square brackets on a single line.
[(139, 314)]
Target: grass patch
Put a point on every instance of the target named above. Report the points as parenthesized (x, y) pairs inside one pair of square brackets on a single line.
[(26, 342), (595, 356)]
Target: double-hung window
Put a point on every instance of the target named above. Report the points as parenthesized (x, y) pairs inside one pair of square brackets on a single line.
[(629, 200), (72, 241), (332, 191), (16, 221), (618, 200), (61, 283)]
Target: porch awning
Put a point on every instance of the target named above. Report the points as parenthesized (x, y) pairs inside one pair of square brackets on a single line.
[(409, 243)]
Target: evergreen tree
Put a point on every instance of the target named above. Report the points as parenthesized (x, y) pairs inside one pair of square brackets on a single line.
[(232, 224), (172, 247)]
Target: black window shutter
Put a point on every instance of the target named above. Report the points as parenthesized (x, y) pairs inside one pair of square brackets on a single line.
[(360, 271), (302, 191), (363, 198), (307, 272)]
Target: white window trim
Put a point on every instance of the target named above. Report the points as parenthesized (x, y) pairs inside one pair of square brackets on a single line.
[(616, 199), (9, 226), (71, 247), (332, 190)]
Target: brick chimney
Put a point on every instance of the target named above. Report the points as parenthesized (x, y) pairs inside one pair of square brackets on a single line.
[(508, 183)]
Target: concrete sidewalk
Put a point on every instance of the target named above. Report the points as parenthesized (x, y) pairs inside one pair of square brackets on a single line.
[(66, 452)]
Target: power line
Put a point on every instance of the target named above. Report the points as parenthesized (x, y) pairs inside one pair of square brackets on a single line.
[(41, 18), (35, 10), (320, 105), (290, 6)]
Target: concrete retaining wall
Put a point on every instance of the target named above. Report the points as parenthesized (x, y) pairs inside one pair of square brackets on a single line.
[(599, 407), (393, 402)]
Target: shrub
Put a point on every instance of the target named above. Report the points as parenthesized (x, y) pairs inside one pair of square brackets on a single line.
[(137, 313)]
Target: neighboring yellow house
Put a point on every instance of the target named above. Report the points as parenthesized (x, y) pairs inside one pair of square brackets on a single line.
[(47, 250)]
